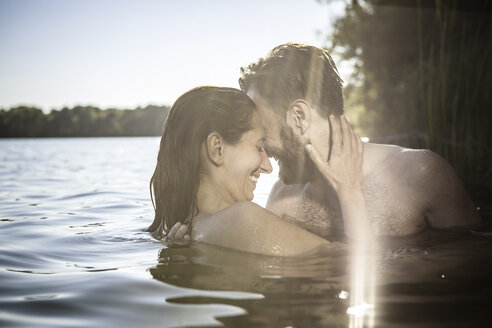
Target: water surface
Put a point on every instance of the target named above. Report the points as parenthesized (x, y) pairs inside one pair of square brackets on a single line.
[(73, 254)]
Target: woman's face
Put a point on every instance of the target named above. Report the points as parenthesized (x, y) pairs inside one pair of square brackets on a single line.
[(245, 161)]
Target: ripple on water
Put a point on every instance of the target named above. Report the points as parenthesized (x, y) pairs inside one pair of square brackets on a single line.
[(90, 194), (104, 295), (79, 257)]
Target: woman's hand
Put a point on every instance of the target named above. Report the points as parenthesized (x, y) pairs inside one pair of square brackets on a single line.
[(178, 232), (343, 170)]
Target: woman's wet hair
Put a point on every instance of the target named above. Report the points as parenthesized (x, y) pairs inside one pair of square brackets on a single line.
[(196, 114)]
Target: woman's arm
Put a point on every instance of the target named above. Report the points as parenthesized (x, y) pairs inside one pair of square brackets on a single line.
[(249, 227), (344, 172)]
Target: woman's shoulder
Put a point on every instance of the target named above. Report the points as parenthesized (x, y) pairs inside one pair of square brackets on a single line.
[(249, 227), (245, 207), (230, 227), (234, 222), (243, 213), (237, 213)]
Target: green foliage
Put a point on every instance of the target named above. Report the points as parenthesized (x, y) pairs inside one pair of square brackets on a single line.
[(82, 121), (22, 120), (423, 76)]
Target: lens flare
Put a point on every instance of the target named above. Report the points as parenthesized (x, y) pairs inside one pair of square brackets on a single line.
[(362, 295)]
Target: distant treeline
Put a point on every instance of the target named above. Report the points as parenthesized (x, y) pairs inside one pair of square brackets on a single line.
[(82, 121)]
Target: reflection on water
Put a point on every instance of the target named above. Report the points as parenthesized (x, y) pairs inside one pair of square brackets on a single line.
[(297, 291), (438, 279), (73, 254)]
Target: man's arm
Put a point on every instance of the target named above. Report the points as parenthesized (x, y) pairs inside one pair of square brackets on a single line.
[(446, 202)]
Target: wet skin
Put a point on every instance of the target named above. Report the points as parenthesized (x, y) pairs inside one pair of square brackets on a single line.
[(228, 218), (405, 190)]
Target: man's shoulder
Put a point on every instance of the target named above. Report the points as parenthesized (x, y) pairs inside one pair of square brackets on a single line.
[(431, 179), (415, 168), (416, 161), (283, 196), (281, 190)]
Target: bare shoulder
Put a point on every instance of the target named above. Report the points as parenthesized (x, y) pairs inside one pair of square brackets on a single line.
[(277, 187), (245, 210), (280, 189), (249, 227), (245, 214), (421, 164), (282, 195), (432, 179), (228, 224), (398, 160)]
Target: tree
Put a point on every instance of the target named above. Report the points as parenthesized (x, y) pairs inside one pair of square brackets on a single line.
[(21, 121), (82, 121), (423, 76)]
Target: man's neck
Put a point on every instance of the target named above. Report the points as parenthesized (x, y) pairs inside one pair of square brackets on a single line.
[(323, 189), (319, 187)]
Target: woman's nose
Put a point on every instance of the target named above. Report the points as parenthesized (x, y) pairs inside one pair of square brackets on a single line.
[(265, 166)]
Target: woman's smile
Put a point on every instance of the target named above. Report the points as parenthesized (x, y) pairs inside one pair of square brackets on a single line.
[(254, 179)]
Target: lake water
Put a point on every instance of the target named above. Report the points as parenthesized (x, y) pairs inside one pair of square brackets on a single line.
[(73, 254)]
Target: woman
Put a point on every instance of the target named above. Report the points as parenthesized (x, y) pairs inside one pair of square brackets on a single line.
[(211, 156)]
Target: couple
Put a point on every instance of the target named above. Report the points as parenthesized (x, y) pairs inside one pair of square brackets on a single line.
[(213, 150)]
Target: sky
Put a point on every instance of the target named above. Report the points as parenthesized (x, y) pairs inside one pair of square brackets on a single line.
[(125, 54)]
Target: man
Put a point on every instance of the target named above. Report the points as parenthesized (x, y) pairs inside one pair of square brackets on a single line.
[(296, 88)]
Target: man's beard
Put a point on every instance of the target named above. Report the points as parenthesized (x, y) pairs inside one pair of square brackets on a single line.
[(295, 165)]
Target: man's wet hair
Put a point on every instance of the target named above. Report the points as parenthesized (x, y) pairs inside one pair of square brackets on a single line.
[(296, 71)]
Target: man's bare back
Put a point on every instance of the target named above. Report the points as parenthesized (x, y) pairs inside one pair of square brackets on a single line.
[(405, 190)]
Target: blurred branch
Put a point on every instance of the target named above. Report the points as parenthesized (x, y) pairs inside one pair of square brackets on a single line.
[(423, 68)]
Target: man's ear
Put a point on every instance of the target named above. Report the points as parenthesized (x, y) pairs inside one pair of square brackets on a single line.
[(300, 113), (214, 147)]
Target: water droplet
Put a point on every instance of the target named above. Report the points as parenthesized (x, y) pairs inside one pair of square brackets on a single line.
[(343, 295)]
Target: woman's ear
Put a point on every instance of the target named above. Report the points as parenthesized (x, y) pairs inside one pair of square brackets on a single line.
[(215, 148), (300, 114)]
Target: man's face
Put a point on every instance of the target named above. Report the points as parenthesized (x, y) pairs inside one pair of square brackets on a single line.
[(282, 144)]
